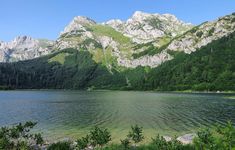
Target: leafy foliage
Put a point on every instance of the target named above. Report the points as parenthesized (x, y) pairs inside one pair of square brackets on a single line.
[(19, 137), (222, 138), (83, 142), (60, 146), (125, 143), (136, 134), (99, 136)]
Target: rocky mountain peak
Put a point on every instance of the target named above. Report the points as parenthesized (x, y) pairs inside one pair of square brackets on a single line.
[(22, 40), (145, 27), (83, 20), (114, 22), (78, 23), (23, 48), (139, 15)]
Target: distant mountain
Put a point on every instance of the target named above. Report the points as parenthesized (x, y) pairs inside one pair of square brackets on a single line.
[(24, 48), (146, 52)]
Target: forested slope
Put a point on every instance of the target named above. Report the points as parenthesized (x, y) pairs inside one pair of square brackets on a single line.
[(210, 68)]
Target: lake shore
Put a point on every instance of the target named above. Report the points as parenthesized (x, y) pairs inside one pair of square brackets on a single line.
[(183, 91)]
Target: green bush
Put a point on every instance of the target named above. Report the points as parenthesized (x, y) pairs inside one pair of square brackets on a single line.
[(99, 137), (60, 146), (159, 143), (19, 137), (199, 34), (83, 142), (125, 143), (136, 134), (223, 138), (227, 135)]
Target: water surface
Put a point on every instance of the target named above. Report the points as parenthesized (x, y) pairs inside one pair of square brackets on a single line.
[(72, 113)]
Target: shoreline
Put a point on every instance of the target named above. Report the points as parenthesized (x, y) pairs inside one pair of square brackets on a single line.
[(100, 90)]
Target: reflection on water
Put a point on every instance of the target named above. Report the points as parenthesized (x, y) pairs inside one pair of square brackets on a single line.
[(72, 113)]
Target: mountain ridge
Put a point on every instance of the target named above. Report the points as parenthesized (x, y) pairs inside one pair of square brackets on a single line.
[(82, 24), (210, 68), (114, 49)]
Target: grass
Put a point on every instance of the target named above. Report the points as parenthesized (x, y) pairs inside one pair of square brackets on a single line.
[(164, 40), (102, 30), (60, 58)]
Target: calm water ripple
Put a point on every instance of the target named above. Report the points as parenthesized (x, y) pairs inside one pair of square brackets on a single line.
[(73, 113)]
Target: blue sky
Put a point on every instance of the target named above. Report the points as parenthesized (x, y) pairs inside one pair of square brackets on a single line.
[(46, 18)]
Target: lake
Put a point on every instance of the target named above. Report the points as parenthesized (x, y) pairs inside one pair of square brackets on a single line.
[(72, 113)]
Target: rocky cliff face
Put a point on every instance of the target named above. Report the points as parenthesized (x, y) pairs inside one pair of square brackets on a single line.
[(24, 48), (188, 42), (143, 27), (204, 34), (77, 25)]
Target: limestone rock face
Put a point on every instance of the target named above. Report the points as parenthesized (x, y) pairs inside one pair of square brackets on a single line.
[(204, 34), (143, 27), (188, 42), (24, 48), (77, 24)]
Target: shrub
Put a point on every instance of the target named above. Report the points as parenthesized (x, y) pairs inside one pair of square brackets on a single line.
[(136, 134), (199, 34), (226, 136), (83, 142), (125, 143), (38, 139), (19, 137), (60, 146), (205, 140), (211, 31), (160, 142), (99, 136)]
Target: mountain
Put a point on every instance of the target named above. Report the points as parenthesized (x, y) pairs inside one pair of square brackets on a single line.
[(143, 27), (24, 48), (118, 43), (109, 56), (115, 43)]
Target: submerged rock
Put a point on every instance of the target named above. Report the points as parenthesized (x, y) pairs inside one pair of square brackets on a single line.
[(167, 138), (187, 138)]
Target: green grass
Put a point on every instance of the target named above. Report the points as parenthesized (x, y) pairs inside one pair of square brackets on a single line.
[(60, 58), (102, 30)]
